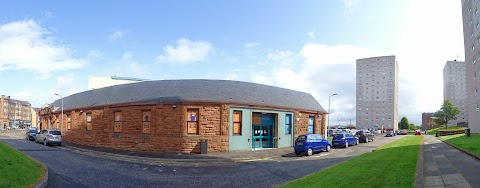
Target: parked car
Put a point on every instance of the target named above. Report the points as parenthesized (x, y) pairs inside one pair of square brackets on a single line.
[(418, 132), (344, 140), (49, 136), (390, 133), (404, 132), (311, 143), (365, 136), (31, 134)]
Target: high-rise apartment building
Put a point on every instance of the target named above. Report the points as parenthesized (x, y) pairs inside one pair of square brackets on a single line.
[(455, 89), (14, 112), (471, 39), (377, 93)]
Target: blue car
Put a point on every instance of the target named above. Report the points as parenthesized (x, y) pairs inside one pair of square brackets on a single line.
[(311, 143), (344, 140)]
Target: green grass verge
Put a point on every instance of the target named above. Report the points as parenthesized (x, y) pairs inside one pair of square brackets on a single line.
[(392, 165), (17, 169), (433, 131), (471, 143)]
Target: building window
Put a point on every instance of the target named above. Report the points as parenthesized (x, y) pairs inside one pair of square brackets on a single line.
[(146, 121), (311, 124), (117, 124), (237, 122), (69, 121), (288, 124), (89, 121), (192, 121)]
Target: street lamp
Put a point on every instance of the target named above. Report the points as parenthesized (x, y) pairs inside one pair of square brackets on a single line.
[(61, 125), (329, 108)]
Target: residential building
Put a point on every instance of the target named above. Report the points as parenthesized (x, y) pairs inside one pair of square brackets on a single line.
[(14, 113), (95, 82), (35, 117), (176, 115), (427, 117), (377, 93), (455, 89), (471, 39)]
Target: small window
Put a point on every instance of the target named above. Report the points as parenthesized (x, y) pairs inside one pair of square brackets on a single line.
[(192, 121), (89, 121), (69, 121), (237, 122), (117, 124), (288, 124), (311, 124), (146, 121)]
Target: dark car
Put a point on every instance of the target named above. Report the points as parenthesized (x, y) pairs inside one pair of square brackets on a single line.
[(311, 143), (390, 133), (31, 134), (365, 136), (344, 140)]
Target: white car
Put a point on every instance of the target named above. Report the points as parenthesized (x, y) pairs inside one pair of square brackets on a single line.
[(49, 136)]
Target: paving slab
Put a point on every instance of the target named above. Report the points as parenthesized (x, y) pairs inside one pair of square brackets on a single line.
[(453, 179), (433, 181)]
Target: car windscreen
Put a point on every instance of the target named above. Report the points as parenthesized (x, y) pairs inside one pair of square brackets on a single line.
[(32, 131), (338, 136), (359, 133), (302, 137), (55, 132)]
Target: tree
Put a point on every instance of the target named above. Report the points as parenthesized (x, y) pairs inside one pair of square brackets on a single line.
[(411, 126), (404, 123), (447, 112)]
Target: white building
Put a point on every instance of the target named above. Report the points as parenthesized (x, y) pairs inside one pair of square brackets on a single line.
[(377, 93), (95, 82), (455, 89), (471, 39)]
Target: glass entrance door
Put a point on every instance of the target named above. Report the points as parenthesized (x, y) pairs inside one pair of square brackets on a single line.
[(262, 136)]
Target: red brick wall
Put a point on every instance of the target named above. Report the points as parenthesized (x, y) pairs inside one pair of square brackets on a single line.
[(168, 129)]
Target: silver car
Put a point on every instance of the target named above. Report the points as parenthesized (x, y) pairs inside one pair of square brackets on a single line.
[(49, 136)]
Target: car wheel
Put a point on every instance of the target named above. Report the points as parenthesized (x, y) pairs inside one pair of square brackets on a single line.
[(328, 148), (346, 144), (45, 142), (59, 144), (310, 151), (298, 153)]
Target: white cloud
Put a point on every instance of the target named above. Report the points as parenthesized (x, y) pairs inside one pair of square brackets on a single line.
[(251, 45), (311, 34), (128, 67), (186, 52), (26, 45), (94, 54), (116, 35), (350, 3)]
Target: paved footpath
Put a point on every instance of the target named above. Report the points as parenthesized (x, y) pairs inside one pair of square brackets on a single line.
[(446, 166)]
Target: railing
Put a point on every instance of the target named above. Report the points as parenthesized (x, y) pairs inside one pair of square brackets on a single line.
[(446, 133)]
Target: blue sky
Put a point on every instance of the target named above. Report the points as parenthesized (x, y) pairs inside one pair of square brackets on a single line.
[(51, 47)]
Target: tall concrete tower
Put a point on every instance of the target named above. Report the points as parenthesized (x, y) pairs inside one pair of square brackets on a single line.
[(471, 39), (377, 93), (455, 89)]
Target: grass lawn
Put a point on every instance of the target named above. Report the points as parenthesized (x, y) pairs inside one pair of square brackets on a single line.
[(17, 169), (433, 131), (471, 143), (392, 165)]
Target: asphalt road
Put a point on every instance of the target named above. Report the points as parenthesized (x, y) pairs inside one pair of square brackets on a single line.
[(71, 168)]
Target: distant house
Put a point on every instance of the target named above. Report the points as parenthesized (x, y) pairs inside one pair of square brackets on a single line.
[(175, 115)]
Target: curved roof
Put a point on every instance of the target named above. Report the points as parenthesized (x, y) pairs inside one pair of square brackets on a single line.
[(223, 91)]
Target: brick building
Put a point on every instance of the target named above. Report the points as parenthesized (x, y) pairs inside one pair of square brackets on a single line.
[(14, 113), (175, 115), (426, 119)]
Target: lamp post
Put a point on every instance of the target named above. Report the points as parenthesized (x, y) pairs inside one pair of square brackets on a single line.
[(329, 108), (61, 124)]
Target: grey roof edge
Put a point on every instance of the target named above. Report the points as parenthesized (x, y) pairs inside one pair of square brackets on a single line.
[(141, 92)]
